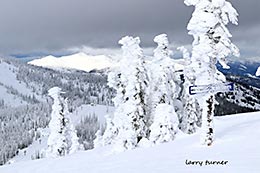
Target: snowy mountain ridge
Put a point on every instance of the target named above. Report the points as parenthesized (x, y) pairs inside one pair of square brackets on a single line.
[(79, 61)]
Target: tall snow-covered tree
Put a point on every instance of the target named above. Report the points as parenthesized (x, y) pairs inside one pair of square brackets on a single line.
[(63, 139), (117, 81), (190, 118), (134, 77), (128, 124), (70, 132), (162, 70), (163, 92), (211, 44)]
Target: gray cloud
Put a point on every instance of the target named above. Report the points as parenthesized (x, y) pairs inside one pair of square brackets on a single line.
[(51, 26)]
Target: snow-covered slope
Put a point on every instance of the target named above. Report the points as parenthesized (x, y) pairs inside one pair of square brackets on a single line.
[(12, 90), (37, 148), (25, 107), (79, 61), (237, 145)]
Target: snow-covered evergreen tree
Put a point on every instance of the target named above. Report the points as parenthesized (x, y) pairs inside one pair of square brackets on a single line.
[(157, 69), (63, 139), (162, 52), (109, 135), (165, 124), (118, 82), (163, 91), (134, 74), (128, 124), (211, 44), (70, 132), (127, 137), (190, 118)]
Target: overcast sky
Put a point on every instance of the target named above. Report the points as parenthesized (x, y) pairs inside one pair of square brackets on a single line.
[(52, 26)]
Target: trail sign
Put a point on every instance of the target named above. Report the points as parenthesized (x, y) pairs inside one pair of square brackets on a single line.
[(212, 88)]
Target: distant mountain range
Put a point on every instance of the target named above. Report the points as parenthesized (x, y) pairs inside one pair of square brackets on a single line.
[(242, 72), (79, 61), (247, 86)]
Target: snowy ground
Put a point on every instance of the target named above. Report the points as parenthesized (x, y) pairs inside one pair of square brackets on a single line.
[(237, 142), (36, 147)]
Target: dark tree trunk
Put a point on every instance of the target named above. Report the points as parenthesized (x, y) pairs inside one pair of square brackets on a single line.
[(210, 115)]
